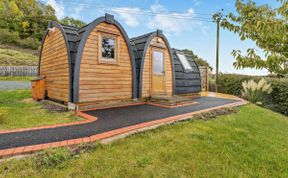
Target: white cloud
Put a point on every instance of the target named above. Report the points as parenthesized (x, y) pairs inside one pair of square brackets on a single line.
[(77, 10), (130, 16), (58, 6), (171, 22), (197, 2), (158, 17)]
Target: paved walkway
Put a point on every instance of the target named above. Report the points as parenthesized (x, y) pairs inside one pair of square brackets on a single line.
[(13, 85), (108, 120)]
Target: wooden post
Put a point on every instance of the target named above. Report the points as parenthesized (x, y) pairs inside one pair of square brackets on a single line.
[(217, 54)]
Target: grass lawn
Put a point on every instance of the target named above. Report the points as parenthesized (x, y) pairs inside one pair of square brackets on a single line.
[(16, 78), (18, 110), (250, 143)]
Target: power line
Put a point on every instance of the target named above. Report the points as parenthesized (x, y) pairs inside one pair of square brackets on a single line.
[(113, 6), (148, 12)]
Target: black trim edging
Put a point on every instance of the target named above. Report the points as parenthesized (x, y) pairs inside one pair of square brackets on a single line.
[(52, 24), (157, 33)]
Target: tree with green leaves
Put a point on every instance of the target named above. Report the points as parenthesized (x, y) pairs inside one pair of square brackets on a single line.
[(72, 22), (199, 61), (268, 28)]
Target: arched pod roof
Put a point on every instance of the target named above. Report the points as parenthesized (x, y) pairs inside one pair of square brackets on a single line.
[(140, 45), (187, 80), (83, 34), (70, 36)]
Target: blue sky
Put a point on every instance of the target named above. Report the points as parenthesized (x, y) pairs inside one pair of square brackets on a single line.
[(184, 22)]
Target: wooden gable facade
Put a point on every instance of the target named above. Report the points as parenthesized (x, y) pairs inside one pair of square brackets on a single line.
[(154, 65), (88, 64)]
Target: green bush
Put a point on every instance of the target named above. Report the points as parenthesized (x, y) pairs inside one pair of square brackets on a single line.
[(232, 83), (276, 101), (13, 38), (7, 37), (256, 92), (29, 42)]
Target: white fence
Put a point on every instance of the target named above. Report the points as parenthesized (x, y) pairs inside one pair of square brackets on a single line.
[(18, 70)]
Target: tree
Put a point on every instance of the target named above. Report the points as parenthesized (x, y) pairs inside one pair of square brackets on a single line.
[(268, 28), (72, 22), (197, 59)]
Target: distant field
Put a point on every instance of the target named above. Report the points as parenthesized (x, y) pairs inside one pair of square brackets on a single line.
[(15, 56)]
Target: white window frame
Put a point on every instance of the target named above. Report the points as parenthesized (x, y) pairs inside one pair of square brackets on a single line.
[(103, 60)]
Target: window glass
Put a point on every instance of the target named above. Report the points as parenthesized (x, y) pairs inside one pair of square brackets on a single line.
[(185, 63), (158, 62), (108, 48)]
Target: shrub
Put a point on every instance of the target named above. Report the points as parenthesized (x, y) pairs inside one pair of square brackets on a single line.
[(13, 38), (8, 37), (255, 92), (278, 100), (232, 83), (29, 42)]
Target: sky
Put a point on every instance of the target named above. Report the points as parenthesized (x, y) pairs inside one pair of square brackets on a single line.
[(186, 23)]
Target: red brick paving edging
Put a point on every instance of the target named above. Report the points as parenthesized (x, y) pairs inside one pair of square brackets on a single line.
[(88, 118), (38, 147)]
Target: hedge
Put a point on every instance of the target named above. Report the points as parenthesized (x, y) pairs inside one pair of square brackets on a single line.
[(276, 101)]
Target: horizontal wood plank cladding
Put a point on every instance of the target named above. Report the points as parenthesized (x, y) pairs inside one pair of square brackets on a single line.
[(146, 77), (54, 66), (99, 82)]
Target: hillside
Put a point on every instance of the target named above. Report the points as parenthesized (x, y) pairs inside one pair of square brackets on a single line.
[(16, 56)]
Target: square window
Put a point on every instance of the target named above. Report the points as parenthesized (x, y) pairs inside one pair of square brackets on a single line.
[(108, 48)]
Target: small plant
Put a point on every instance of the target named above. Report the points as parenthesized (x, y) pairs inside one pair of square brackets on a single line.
[(255, 92), (52, 158)]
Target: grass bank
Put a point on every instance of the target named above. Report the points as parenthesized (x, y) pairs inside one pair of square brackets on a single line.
[(16, 56), (250, 143), (18, 110)]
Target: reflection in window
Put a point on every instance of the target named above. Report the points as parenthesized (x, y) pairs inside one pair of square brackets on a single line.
[(108, 48), (184, 62), (158, 62)]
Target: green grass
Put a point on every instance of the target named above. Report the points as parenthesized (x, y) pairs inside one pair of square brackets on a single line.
[(250, 143), (16, 78), (18, 110), (15, 56)]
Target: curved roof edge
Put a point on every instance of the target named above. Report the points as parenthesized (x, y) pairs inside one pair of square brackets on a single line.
[(108, 18), (149, 37), (181, 74), (52, 24)]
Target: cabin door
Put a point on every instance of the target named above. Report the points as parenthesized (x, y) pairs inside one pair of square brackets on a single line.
[(158, 72)]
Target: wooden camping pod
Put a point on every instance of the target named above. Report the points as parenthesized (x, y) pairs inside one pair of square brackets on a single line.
[(154, 65), (187, 74), (98, 79), (72, 61)]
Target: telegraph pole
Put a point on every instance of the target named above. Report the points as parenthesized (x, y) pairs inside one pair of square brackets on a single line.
[(217, 54), (218, 18)]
